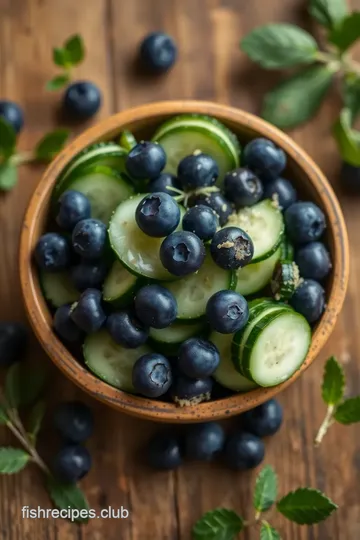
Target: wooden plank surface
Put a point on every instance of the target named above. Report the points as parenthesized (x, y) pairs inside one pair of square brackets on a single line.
[(163, 506)]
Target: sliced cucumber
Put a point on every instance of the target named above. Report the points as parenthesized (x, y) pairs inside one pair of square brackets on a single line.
[(265, 225), (111, 362), (58, 288), (182, 135), (168, 340), (193, 291), (287, 250), (119, 286), (285, 280), (127, 140), (254, 277), (226, 373)]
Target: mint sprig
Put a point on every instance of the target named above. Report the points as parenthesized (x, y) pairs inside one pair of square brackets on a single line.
[(71, 54), (328, 13)]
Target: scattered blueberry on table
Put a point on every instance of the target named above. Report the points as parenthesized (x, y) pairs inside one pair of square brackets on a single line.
[(13, 340), (82, 100), (158, 52), (12, 113), (71, 463)]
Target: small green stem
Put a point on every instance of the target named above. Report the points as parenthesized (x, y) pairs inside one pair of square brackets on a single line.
[(22, 157), (327, 422), (28, 446)]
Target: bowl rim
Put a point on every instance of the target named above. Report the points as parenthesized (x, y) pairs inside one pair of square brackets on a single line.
[(142, 407)]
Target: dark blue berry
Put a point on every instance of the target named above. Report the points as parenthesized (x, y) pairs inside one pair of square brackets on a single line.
[(158, 52), (186, 391), (227, 312), (244, 451), (89, 274), (74, 421), (204, 441), (264, 158), (243, 187), (155, 306), (282, 191), (264, 420), (164, 451), (182, 253), (231, 248), (215, 200), (73, 206), (197, 170), (309, 300), (52, 252), (157, 214), (202, 221), (313, 261), (71, 463), (82, 100), (164, 183), (13, 341), (65, 327), (88, 313), (12, 114), (304, 222), (350, 177), (126, 329), (152, 375), (89, 238), (198, 358), (146, 160)]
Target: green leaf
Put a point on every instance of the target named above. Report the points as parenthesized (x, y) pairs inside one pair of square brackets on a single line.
[(7, 139), (346, 139), (51, 144), (75, 49), (61, 57), (265, 489), (35, 419), (351, 96), (23, 385), (306, 506), (218, 524), (57, 82), (268, 533), (348, 412), (275, 46), (333, 382), (8, 176), (12, 460), (3, 415), (298, 98), (65, 496), (345, 35), (329, 13)]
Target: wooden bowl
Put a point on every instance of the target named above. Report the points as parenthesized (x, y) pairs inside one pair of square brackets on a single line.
[(143, 120)]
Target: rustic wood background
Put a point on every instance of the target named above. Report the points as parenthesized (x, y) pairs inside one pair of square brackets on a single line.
[(163, 506)]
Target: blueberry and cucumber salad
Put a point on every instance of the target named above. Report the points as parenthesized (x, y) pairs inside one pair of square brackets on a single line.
[(184, 263)]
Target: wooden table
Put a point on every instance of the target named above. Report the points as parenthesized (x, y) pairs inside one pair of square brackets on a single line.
[(164, 506)]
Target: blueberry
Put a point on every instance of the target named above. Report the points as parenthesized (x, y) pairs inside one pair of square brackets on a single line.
[(157, 214), (126, 329), (71, 463), (164, 183), (88, 313), (313, 261), (158, 52), (186, 391), (64, 326), (152, 375), (146, 160), (74, 421), (264, 420), (282, 191), (198, 358), (73, 206), (155, 306), (227, 312), (350, 177), (215, 200), (52, 252), (182, 253), (204, 441), (89, 238), (202, 221), (231, 248), (244, 451), (243, 187), (12, 114), (13, 341), (197, 170), (264, 158), (89, 274), (304, 222), (164, 451), (82, 100), (309, 300)]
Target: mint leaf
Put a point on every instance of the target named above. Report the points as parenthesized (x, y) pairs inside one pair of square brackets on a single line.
[(297, 99), (61, 57), (3, 415), (57, 82), (65, 496), (23, 385), (218, 524), (75, 49), (306, 506), (333, 382), (348, 412), (279, 46), (329, 13), (346, 139), (35, 419), (12, 460), (8, 176), (265, 489), (51, 144), (345, 35), (268, 533), (7, 139), (351, 96)]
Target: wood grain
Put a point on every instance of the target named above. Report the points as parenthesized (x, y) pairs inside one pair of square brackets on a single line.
[(164, 506)]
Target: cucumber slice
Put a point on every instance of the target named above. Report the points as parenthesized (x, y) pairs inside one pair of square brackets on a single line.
[(127, 140), (265, 225), (111, 362), (119, 286), (286, 250), (182, 135), (226, 373), (276, 347), (58, 288), (176, 332), (285, 280), (253, 277), (192, 292)]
